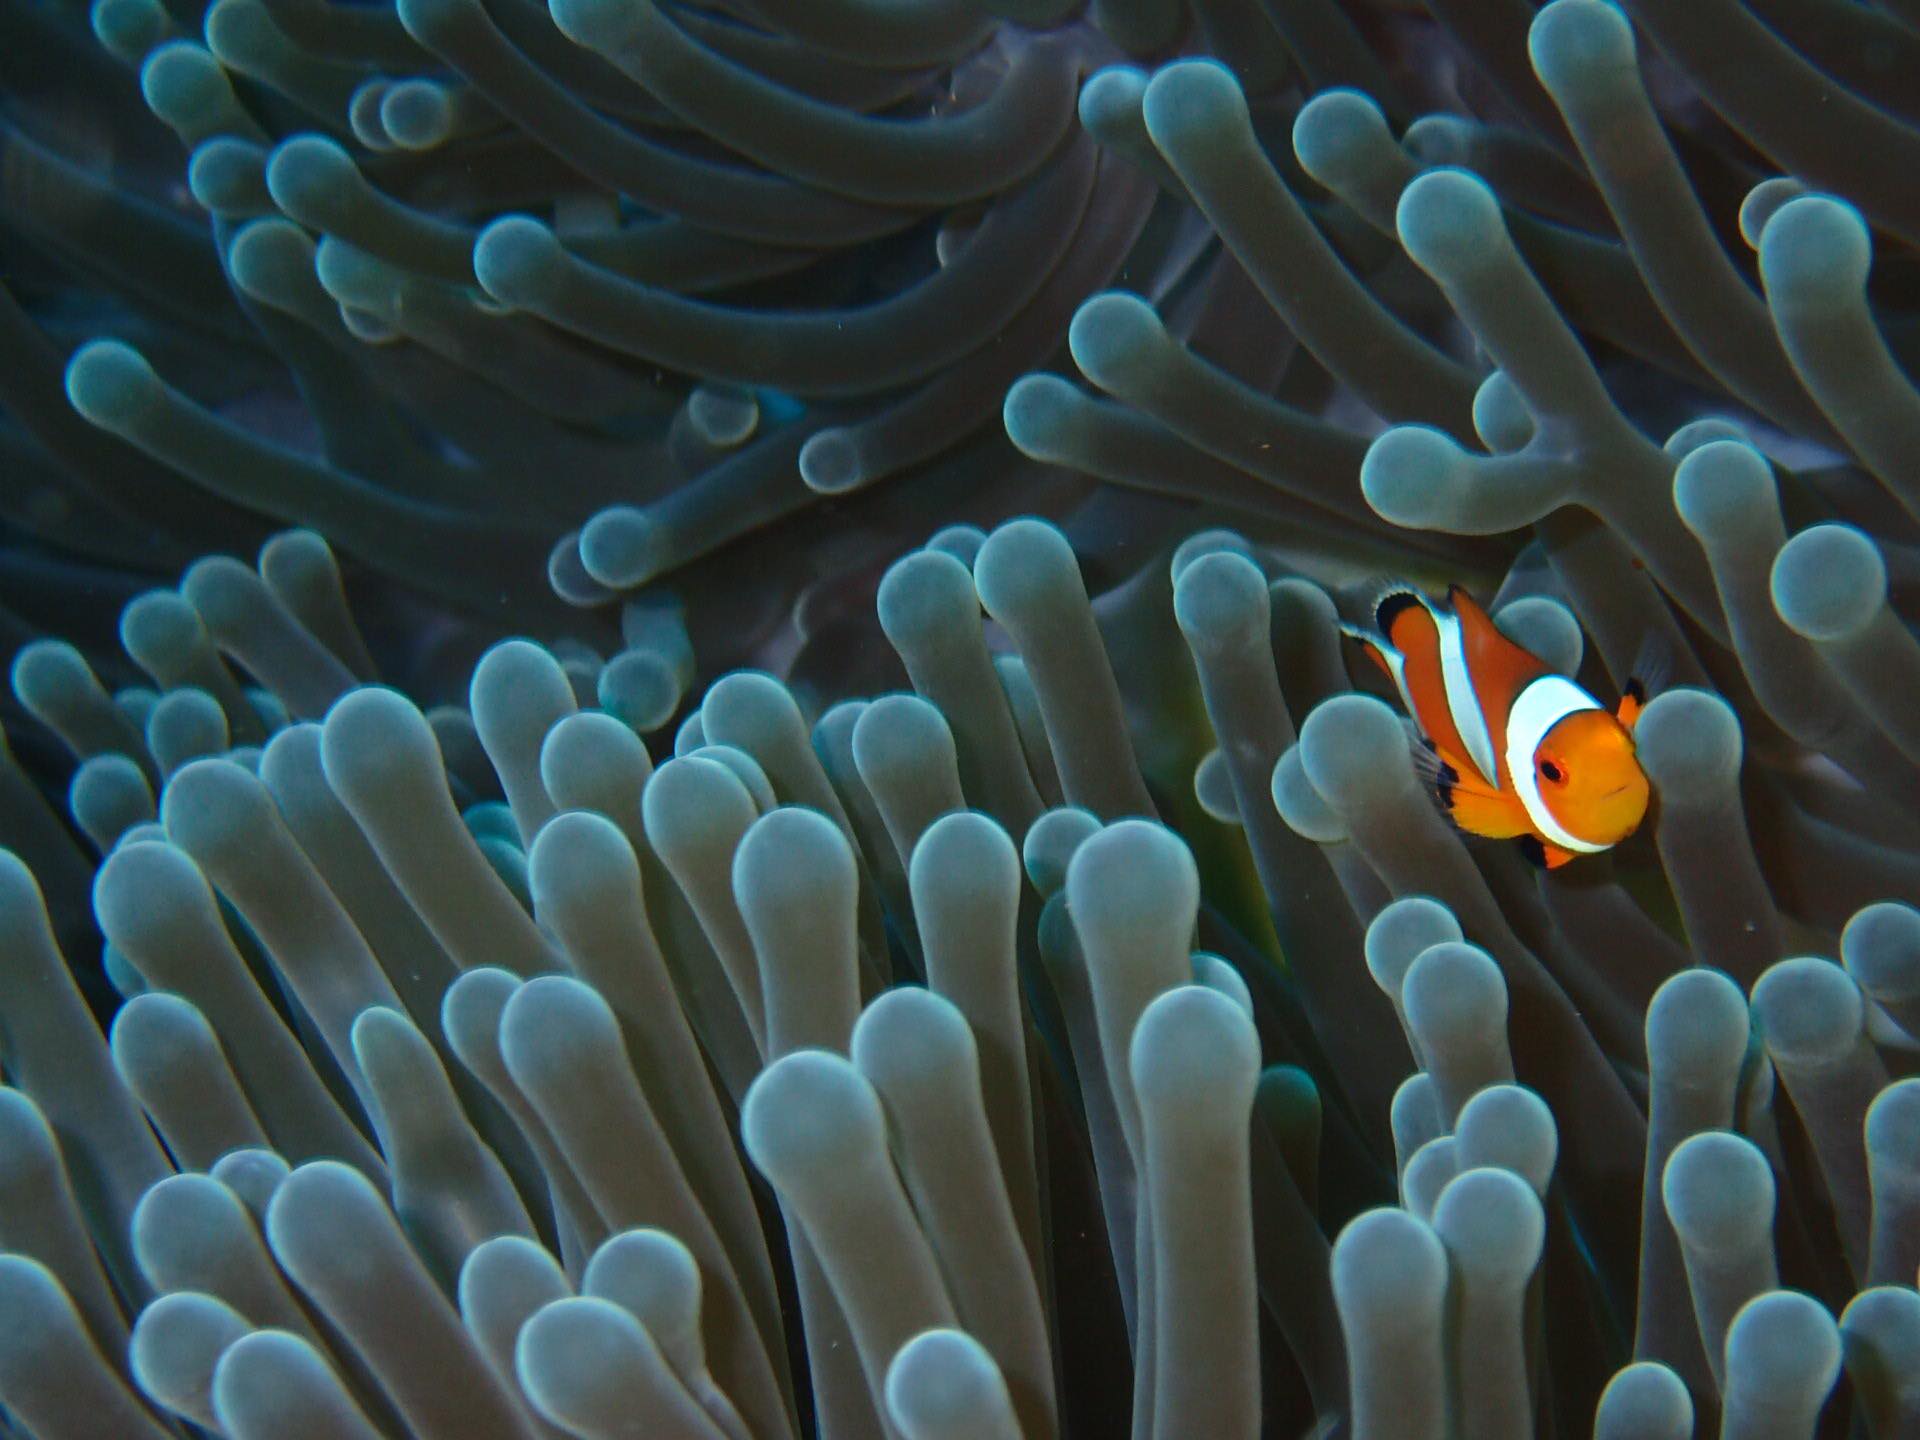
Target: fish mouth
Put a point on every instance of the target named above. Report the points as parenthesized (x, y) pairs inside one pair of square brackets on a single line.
[(1617, 790)]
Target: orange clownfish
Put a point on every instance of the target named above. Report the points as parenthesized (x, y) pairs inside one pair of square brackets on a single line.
[(1511, 748)]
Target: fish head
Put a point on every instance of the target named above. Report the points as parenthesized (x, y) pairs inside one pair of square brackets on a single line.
[(1590, 778)]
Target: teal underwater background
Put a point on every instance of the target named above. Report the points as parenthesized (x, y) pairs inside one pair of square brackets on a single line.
[(678, 760)]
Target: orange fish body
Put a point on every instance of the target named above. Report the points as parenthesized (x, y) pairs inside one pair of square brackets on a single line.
[(1519, 751)]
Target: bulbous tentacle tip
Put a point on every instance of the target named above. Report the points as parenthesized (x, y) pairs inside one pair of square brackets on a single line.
[(215, 807), (1893, 1126), (1762, 202), (112, 385), (518, 261), (597, 24), (1220, 600), (810, 1113), (1450, 222), (225, 172), (175, 1347), (1829, 582), (723, 415), (517, 680), (831, 462), (897, 735), (553, 1024), (43, 669), (1111, 95), (371, 739), (1024, 562), (1721, 484), (182, 82), (1412, 475), (416, 114), (1335, 130), (1110, 335), (128, 28), (1401, 933), (1492, 1224), (1304, 809), (1784, 1345), (1880, 946), (1203, 543), (1697, 1027), (1880, 1341), (909, 1039), (319, 1204), (427, 20), (1389, 1271), (970, 847), (1581, 48), (1038, 414), (1815, 247), (622, 547), (641, 687), (1509, 1126), (567, 575), (1810, 1011), (1547, 628), (1194, 1046), (576, 854), (309, 170), (943, 1384), (1718, 1191), (236, 30), (1645, 1401), (927, 592), (568, 1355), (1129, 881), (1695, 434), (1500, 415), (353, 277), (388, 1046), (1050, 843), (793, 863), (692, 801), (1190, 101), (1689, 744), (1213, 788), (1353, 748), (1454, 995), (1440, 139), (271, 259), (157, 626), (960, 542)]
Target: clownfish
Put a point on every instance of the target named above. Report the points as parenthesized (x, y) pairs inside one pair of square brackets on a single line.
[(1511, 749)]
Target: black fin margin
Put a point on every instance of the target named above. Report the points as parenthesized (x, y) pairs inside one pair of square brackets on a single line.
[(1392, 605), (1370, 604)]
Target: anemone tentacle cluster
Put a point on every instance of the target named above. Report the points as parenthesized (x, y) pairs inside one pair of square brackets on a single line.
[(788, 847)]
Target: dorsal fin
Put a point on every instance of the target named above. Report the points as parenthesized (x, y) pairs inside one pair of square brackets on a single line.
[(1391, 604), (1370, 604)]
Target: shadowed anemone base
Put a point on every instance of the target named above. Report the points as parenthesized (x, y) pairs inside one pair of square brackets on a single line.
[(680, 764)]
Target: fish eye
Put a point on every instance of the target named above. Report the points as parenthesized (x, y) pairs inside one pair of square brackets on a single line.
[(1551, 773)]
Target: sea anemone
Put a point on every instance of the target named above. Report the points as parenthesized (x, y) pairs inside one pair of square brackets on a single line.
[(789, 846)]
